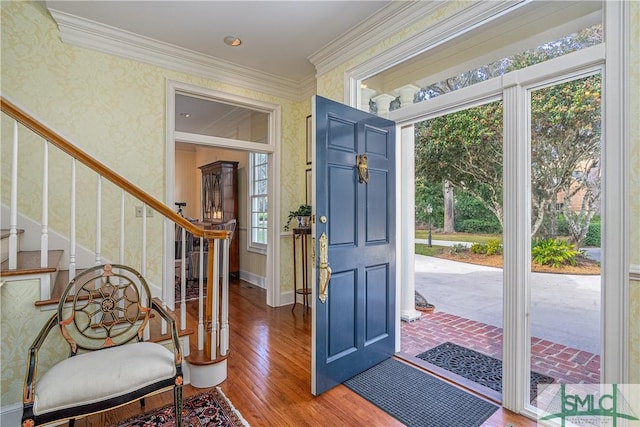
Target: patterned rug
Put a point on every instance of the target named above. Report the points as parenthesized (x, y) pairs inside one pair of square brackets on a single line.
[(477, 367), (210, 409), (192, 290)]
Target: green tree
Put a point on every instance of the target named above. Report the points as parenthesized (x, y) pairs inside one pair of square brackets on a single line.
[(465, 147), (565, 153)]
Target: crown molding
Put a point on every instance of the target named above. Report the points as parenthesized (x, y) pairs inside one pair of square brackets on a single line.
[(388, 21), (114, 41), (466, 19)]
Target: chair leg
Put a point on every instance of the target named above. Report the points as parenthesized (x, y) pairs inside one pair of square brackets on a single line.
[(177, 398), (72, 422), (142, 402)]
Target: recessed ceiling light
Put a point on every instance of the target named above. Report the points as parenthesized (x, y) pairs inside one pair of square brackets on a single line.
[(187, 115), (232, 41)]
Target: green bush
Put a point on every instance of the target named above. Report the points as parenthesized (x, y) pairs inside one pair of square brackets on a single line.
[(479, 248), (494, 247), (479, 226), (563, 226), (554, 252), (593, 235), (457, 249)]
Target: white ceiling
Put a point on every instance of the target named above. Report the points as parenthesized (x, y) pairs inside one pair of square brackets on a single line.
[(278, 37)]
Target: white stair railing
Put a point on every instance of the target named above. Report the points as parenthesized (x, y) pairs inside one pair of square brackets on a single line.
[(13, 220), (212, 308), (44, 235)]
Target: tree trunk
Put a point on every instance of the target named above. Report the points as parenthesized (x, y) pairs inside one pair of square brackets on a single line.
[(449, 216)]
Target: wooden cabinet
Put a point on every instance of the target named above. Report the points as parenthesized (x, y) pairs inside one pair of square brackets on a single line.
[(220, 202)]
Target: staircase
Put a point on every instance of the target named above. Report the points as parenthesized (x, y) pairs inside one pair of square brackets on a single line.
[(37, 249)]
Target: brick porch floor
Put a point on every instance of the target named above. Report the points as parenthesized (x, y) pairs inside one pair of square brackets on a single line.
[(566, 365)]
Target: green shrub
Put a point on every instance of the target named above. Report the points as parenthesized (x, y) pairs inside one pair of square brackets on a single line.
[(593, 235), (554, 252), (457, 249), (563, 226), (494, 247), (479, 226), (479, 248)]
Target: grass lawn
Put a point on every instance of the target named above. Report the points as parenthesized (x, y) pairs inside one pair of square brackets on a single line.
[(458, 237)]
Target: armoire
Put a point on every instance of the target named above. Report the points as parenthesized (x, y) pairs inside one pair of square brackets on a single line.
[(219, 202)]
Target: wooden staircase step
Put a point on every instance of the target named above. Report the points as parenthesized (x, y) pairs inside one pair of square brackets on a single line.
[(156, 321), (5, 232), (198, 357), (62, 279), (29, 263)]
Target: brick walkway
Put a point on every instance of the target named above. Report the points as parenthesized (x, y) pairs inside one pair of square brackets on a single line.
[(566, 365)]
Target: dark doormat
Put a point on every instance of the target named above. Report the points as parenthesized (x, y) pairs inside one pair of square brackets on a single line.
[(416, 398), (477, 367)]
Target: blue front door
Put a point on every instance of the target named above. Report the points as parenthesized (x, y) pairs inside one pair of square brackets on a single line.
[(354, 237)]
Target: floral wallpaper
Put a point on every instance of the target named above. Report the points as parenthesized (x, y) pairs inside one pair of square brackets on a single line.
[(21, 322), (114, 109)]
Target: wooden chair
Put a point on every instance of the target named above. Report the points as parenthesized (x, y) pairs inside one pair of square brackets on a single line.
[(102, 315)]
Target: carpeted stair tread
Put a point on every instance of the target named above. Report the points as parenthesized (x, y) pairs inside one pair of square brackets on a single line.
[(28, 262)]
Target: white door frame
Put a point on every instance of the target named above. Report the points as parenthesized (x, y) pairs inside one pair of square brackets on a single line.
[(271, 148)]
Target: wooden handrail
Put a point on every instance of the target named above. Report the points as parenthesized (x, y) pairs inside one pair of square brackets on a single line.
[(49, 135)]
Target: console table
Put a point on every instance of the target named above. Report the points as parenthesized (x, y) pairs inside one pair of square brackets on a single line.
[(300, 234)]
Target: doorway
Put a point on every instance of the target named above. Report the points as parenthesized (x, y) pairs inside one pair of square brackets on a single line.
[(224, 125)]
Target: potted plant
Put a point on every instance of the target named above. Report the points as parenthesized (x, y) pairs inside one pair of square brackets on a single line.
[(302, 216)]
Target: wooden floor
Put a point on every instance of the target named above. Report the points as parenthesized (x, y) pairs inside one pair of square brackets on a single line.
[(269, 374)]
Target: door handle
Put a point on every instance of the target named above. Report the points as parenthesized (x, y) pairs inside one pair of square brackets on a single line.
[(362, 163), (325, 270)]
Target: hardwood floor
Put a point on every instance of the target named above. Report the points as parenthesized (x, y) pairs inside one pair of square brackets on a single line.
[(269, 374)]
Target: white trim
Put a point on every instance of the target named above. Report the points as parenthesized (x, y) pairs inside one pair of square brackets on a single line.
[(517, 255), (480, 93), (89, 34), (476, 14), (615, 231), (254, 279), (10, 415), (251, 246), (405, 240), (391, 19), (273, 149)]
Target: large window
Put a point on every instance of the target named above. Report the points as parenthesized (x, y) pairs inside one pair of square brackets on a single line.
[(258, 201)]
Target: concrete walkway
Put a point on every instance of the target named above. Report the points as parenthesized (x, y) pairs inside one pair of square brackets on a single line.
[(565, 308)]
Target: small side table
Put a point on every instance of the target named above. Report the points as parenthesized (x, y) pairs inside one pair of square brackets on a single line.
[(301, 235)]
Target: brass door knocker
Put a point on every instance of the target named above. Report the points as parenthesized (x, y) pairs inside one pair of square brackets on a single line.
[(362, 163)]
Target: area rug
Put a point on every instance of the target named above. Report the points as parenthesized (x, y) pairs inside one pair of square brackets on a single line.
[(209, 409), (192, 290), (416, 398), (477, 367)]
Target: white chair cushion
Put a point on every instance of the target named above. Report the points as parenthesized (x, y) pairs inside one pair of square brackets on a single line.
[(102, 374)]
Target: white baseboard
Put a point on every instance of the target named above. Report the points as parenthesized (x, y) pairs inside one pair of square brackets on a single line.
[(254, 279), (11, 415), (30, 240), (287, 298)]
